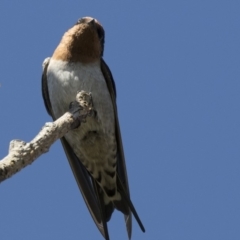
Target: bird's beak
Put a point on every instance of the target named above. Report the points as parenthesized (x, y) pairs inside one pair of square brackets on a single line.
[(92, 22)]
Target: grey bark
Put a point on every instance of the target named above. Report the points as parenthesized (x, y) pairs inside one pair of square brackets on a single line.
[(23, 153)]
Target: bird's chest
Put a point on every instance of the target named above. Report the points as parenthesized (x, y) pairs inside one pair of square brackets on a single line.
[(66, 79)]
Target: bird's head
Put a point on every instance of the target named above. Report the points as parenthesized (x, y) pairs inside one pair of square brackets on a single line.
[(83, 42)]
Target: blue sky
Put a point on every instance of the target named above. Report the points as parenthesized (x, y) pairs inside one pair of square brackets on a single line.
[(176, 66)]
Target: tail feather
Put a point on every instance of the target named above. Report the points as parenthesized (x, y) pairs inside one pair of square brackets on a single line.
[(126, 203), (128, 221), (121, 206), (124, 208), (106, 210)]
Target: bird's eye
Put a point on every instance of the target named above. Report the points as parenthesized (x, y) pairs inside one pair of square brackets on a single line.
[(100, 33)]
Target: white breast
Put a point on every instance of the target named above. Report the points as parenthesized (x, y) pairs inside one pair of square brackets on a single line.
[(66, 79)]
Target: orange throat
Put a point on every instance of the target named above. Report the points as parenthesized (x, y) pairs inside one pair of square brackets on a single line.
[(78, 45)]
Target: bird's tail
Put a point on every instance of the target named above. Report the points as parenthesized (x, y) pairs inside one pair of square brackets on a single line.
[(106, 210), (125, 205)]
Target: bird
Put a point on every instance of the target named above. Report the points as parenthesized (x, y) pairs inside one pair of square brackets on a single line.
[(94, 150)]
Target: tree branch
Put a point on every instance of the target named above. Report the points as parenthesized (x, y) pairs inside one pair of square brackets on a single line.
[(22, 154)]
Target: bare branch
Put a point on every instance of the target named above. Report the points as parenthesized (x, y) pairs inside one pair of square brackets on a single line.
[(22, 154)]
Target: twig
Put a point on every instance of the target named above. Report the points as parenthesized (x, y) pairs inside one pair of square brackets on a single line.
[(22, 154)]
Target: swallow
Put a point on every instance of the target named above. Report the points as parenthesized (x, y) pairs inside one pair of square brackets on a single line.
[(95, 149)]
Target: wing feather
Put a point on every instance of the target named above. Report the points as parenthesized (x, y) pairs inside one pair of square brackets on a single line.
[(121, 165)]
